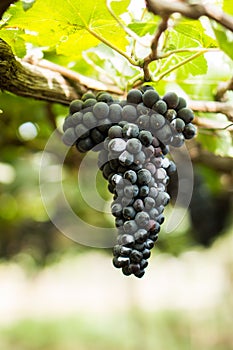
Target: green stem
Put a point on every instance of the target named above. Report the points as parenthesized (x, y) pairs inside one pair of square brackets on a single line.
[(106, 42), (137, 78), (192, 49), (180, 64)]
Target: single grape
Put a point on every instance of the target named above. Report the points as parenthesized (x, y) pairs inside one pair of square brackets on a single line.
[(143, 121), (145, 137), (117, 145), (115, 132), (130, 130), (177, 140), (129, 212), (76, 106), (170, 114), (146, 253), (131, 176), (186, 114), (141, 235), (76, 118), (144, 177), (138, 205), (182, 103), (120, 261), (89, 120), (130, 227), (116, 210), (133, 146), (85, 145), (96, 136), (139, 158), (171, 99), (69, 137), (189, 131), (150, 97), (136, 256), (87, 96), (142, 218), (89, 103), (160, 107), (101, 110), (143, 191), (178, 124), (129, 113), (115, 113), (157, 121), (126, 158), (134, 96), (105, 97)]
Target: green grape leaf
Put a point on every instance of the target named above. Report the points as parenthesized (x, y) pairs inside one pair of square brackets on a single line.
[(224, 37), (197, 66), (78, 26), (15, 39), (119, 6), (227, 7), (194, 30), (143, 28)]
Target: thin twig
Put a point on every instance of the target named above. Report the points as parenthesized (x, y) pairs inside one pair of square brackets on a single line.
[(213, 107), (210, 124), (191, 49), (108, 43), (73, 76), (154, 48), (190, 9), (223, 87)]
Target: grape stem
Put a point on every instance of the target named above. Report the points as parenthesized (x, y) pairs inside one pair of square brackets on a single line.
[(189, 59), (108, 43), (223, 88), (213, 125), (213, 107), (154, 48), (191, 49)]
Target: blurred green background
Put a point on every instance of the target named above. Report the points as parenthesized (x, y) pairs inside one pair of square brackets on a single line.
[(59, 295)]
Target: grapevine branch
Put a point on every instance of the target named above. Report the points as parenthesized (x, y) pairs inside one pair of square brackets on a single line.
[(213, 107), (223, 88), (154, 47), (47, 81), (218, 163), (191, 10)]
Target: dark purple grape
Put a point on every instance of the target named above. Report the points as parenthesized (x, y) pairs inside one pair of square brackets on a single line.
[(134, 96)]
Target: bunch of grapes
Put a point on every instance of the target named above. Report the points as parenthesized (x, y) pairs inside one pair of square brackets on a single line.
[(132, 138)]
